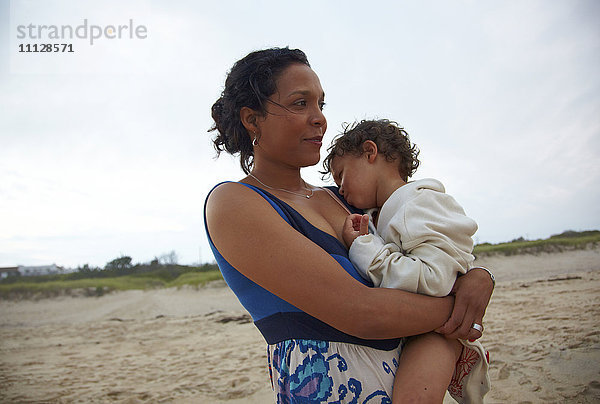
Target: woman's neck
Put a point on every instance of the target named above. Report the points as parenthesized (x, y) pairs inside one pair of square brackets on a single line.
[(279, 177)]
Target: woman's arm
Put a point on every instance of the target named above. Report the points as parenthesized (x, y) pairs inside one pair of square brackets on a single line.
[(253, 238)]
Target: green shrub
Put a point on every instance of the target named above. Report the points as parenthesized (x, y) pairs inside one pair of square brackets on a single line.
[(553, 244), (30, 287), (195, 278)]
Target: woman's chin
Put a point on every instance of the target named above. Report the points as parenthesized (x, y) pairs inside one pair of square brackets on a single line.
[(311, 161)]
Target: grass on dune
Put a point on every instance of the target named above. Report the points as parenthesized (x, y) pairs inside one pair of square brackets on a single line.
[(553, 244), (195, 279), (99, 286), (99, 283)]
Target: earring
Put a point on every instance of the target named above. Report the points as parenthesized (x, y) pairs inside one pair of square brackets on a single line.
[(255, 140)]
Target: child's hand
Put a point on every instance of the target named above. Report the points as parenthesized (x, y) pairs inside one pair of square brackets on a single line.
[(354, 226)]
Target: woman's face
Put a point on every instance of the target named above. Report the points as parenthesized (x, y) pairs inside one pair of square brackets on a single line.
[(291, 132)]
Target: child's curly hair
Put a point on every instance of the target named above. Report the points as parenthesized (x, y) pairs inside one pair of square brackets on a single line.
[(392, 141)]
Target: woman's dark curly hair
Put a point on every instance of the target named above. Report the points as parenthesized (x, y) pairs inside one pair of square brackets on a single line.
[(392, 141), (250, 82)]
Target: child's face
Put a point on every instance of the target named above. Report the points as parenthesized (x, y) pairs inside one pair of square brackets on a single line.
[(357, 180)]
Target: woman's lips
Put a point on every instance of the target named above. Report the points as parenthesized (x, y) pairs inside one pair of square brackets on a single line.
[(317, 140)]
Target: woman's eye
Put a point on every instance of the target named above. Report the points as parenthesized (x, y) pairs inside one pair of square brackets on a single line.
[(322, 105), (301, 103)]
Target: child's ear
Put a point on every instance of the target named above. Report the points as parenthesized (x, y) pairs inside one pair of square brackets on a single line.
[(370, 150)]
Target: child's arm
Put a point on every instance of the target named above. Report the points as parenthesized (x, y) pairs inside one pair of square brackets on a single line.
[(435, 235)]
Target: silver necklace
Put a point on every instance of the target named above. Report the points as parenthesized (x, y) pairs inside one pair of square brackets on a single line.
[(285, 190)]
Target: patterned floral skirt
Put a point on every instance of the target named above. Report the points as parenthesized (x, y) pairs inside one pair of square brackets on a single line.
[(311, 371)]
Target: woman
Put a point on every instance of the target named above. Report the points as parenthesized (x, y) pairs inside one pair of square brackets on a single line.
[(277, 241)]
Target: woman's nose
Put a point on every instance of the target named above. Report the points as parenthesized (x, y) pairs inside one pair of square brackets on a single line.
[(319, 119)]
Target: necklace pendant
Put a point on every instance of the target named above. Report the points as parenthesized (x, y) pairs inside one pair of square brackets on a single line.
[(307, 196)]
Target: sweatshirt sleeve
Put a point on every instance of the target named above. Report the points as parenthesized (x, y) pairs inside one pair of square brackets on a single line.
[(370, 251), (435, 238)]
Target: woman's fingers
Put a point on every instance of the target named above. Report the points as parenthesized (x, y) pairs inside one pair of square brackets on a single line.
[(459, 326), (455, 320), (475, 333), (472, 294), (473, 315), (466, 330)]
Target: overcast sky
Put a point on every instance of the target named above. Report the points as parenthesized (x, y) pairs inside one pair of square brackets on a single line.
[(105, 152)]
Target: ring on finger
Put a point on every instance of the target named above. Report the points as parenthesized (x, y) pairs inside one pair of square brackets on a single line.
[(478, 327)]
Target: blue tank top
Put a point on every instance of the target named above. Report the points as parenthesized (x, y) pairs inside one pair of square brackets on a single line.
[(276, 319)]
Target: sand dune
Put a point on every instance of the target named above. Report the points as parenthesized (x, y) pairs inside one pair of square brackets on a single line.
[(198, 346)]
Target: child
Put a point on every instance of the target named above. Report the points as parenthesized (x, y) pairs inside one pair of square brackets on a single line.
[(423, 242)]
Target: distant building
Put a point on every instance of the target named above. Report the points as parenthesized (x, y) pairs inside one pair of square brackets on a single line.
[(40, 270), (9, 271)]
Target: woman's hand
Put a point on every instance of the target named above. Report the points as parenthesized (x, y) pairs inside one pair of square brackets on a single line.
[(472, 293)]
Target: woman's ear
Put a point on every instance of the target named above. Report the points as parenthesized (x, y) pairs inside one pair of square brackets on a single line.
[(248, 116), (370, 150)]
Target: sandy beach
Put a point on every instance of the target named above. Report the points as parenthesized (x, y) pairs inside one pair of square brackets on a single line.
[(199, 346)]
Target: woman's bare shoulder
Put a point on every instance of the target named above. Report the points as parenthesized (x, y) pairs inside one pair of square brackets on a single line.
[(228, 188), (230, 202), (231, 192)]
